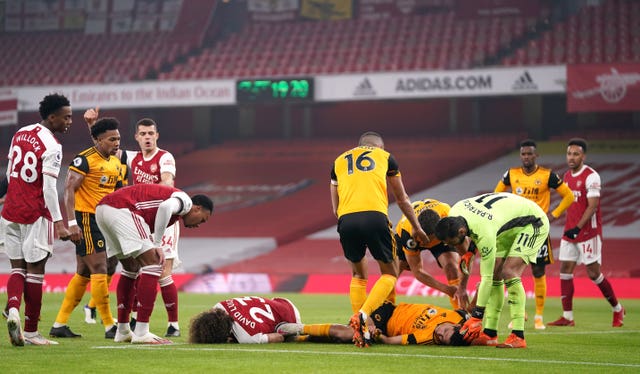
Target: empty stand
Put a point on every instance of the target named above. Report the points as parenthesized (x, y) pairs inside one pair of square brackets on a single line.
[(595, 34), (413, 42), (73, 57)]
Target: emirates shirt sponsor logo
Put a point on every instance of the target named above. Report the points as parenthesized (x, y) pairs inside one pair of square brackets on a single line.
[(143, 177)]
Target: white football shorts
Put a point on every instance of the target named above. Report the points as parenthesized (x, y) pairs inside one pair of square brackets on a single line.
[(586, 252), (32, 242), (127, 234), (170, 243)]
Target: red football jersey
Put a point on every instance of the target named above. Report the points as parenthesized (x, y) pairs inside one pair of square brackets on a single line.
[(34, 151), (149, 170), (255, 316), (583, 184), (144, 200)]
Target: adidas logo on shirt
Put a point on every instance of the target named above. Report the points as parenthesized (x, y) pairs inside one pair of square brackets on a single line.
[(524, 82), (365, 88)]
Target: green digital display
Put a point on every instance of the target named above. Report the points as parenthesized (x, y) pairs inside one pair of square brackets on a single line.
[(274, 90)]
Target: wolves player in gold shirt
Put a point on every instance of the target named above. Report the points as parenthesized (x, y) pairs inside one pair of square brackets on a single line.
[(93, 173), (535, 182), (429, 212), (358, 189), (402, 324)]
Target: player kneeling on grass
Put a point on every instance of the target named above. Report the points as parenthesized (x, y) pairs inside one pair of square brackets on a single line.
[(133, 220), (245, 320)]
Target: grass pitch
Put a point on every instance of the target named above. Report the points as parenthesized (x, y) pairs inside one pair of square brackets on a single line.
[(592, 346)]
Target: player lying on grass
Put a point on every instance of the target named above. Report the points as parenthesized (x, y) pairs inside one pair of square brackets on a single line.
[(404, 324), (249, 319)]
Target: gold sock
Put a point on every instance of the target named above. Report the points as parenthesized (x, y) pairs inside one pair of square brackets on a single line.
[(92, 303), (454, 303), (392, 296), (379, 293), (75, 290), (540, 291), (317, 329), (357, 293), (100, 293)]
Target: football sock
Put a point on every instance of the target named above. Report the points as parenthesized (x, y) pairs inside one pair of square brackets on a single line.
[(517, 298), (92, 303), (124, 294), (100, 293), (134, 308), (32, 301), (15, 287), (540, 291), (566, 291), (606, 289), (357, 293), (147, 292), (568, 314), (491, 332), (494, 305), (142, 328), (381, 289), (75, 290), (169, 293), (454, 303), (317, 329), (392, 296), (123, 327)]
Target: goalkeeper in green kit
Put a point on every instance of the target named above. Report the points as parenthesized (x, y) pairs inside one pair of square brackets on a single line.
[(507, 230)]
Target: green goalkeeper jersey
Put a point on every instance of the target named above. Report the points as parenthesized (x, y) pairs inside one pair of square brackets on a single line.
[(502, 225)]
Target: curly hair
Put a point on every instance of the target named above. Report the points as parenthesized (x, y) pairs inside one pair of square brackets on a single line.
[(51, 104), (210, 327), (103, 125)]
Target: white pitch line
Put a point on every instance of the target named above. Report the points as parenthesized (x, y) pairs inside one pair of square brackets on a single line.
[(369, 354), (569, 332)]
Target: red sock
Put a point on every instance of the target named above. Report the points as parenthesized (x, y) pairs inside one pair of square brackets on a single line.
[(147, 290), (15, 288), (125, 294), (170, 297), (134, 302), (566, 292), (32, 301), (607, 291)]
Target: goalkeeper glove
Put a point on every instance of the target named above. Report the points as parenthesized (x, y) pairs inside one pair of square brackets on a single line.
[(465, 263), (572, 233), (471, 329)]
